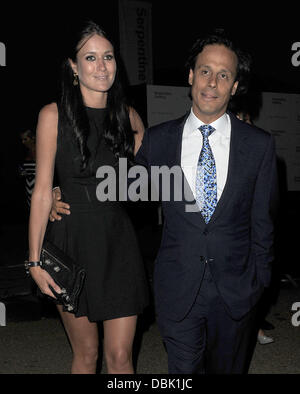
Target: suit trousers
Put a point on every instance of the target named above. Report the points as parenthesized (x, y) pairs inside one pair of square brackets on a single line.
[(208, 340)]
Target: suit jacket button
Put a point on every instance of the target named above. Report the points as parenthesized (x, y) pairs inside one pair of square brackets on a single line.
[(205, 232)]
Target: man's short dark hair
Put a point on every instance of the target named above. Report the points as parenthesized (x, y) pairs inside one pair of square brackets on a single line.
[(218, 37)]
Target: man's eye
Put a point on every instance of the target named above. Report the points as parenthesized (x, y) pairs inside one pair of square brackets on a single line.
[(223, 76)]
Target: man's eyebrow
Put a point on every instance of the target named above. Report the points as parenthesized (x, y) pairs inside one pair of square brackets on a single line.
[(226, 71), (203, 65), (207, 66)]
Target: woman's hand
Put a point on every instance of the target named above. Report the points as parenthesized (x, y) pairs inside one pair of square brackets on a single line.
[(58, 206), (43, 280)]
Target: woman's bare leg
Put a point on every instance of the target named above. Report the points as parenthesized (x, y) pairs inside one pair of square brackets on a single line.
[(83, 336), (118, 341)]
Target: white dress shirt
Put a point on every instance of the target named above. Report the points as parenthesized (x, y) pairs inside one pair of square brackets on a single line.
[(219, 142)]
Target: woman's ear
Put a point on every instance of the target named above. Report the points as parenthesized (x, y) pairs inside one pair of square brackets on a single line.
[(73, 66)]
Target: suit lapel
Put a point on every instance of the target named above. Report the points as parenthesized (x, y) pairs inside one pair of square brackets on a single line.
[(238, 156), (176, 141), (175, 146)]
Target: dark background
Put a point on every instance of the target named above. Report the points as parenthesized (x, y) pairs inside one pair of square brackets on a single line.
[(33, 35)]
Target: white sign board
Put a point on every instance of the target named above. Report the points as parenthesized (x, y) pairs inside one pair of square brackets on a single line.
[(2, 315), (166, 103), (280, 115)]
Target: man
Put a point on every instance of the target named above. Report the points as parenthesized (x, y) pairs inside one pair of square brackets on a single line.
[(213, 264)]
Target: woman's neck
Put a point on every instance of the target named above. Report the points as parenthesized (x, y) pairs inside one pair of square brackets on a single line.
[(94, 99)]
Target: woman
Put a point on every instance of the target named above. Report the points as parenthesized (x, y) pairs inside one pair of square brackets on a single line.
[(90, 127)]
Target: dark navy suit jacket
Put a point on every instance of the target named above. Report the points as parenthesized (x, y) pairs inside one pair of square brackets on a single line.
[(237, 243)]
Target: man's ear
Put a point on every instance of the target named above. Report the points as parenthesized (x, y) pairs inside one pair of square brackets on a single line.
[(234, 88), (191, 77)]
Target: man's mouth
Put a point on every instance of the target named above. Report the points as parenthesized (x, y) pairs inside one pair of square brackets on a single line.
[(208, 96)]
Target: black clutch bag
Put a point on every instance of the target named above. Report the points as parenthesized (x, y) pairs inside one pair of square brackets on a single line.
[(66, 273)]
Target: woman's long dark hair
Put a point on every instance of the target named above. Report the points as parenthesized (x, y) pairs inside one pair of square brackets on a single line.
[(117, 129)]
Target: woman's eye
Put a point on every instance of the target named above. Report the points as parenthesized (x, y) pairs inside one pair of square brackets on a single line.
[(108, 57), (90, 58)]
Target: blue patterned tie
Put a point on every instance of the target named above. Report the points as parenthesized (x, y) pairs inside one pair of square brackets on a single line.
[(206, 178)]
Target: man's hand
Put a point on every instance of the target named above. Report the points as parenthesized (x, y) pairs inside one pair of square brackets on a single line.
[(58, 206)]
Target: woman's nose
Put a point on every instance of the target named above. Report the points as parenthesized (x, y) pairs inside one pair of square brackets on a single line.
[(101, 65)]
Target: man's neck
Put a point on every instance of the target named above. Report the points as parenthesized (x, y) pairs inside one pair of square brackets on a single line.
[(207, 119)]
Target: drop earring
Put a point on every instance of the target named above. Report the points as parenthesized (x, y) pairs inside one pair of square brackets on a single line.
[(75, 82)]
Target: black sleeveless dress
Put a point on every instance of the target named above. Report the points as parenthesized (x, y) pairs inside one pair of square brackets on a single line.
[(98, 235)]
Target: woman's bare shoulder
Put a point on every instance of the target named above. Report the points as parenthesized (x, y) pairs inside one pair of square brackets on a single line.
[(49, 110), (48, 121), (49, 113)]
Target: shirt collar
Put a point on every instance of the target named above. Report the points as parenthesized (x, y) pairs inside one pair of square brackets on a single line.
[(221, 124)]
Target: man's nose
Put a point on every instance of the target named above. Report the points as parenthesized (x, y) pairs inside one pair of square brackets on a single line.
[(212, 82)]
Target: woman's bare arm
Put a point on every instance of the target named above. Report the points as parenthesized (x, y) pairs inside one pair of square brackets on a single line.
[(41, 200)]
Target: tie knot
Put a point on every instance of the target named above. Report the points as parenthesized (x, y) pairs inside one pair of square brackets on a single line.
[(206, 130)]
